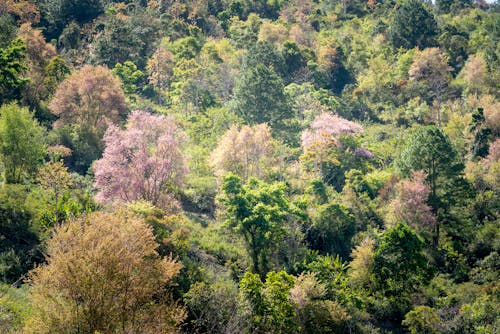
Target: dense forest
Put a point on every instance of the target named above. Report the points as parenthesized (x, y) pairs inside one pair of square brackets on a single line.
[(249, 166)]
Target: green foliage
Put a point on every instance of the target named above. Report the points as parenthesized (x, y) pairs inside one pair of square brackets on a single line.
[(22, 145), (400, 267), (423, 319), (431, 150), (7, 30), (14, 308), (11, 68), (259, 97), (271, 309), (58, 13), (413, 25), (332, 230), (130, 76), (480, 146), (259, 212), (19, 235)]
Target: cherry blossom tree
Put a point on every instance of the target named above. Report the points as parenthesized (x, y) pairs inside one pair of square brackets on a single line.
[(410, 205), (329, 147), (141, 162), (327, 126)]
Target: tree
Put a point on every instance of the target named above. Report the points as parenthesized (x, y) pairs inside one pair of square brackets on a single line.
[(11, 67), (361, 266), (479, 146), (332, 230), (430, 71), (399, 266), (143, 161), (55, 180), (315, 313), (431, 151), (38, 56), (130, 76), (259, 212), (271, 308), (423, 320), (259, 97), (410, 205), (246, 152), (330, 149), (103, 274), (413, 25), (59, 13), (22, 145), (160, 67), (475, 73), (90, 98), (86, 103), (19, 235)]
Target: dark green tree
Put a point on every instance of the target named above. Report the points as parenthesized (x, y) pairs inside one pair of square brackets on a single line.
[(259, 97), (58, 13), (11, 68), (332, 230), (399, 270), (264, 52), (479, 146), (7, 30), (19, 239), (413, 25), (431, 150), (399, 264)]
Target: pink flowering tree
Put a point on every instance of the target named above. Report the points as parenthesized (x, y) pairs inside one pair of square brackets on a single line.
[(330, 148), (410, 204), (141, 162), (326, 127)]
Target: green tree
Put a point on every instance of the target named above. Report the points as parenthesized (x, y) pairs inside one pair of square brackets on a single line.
[(431, 150), (259, 212), (423, 320), (332, 230), (22, 145), (11, 68), (19, 236), (479, 146), (130, 76), (259, 97), (271, 307), (413, 25), (399, 266)]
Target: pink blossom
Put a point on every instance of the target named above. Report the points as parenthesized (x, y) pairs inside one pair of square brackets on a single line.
[(326, 127), (142, 161)]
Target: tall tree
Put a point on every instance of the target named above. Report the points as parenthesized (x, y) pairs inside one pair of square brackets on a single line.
[(271, 308), (259, 97), (143, 161), (431, 151), (399, 265), (246, 152)]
